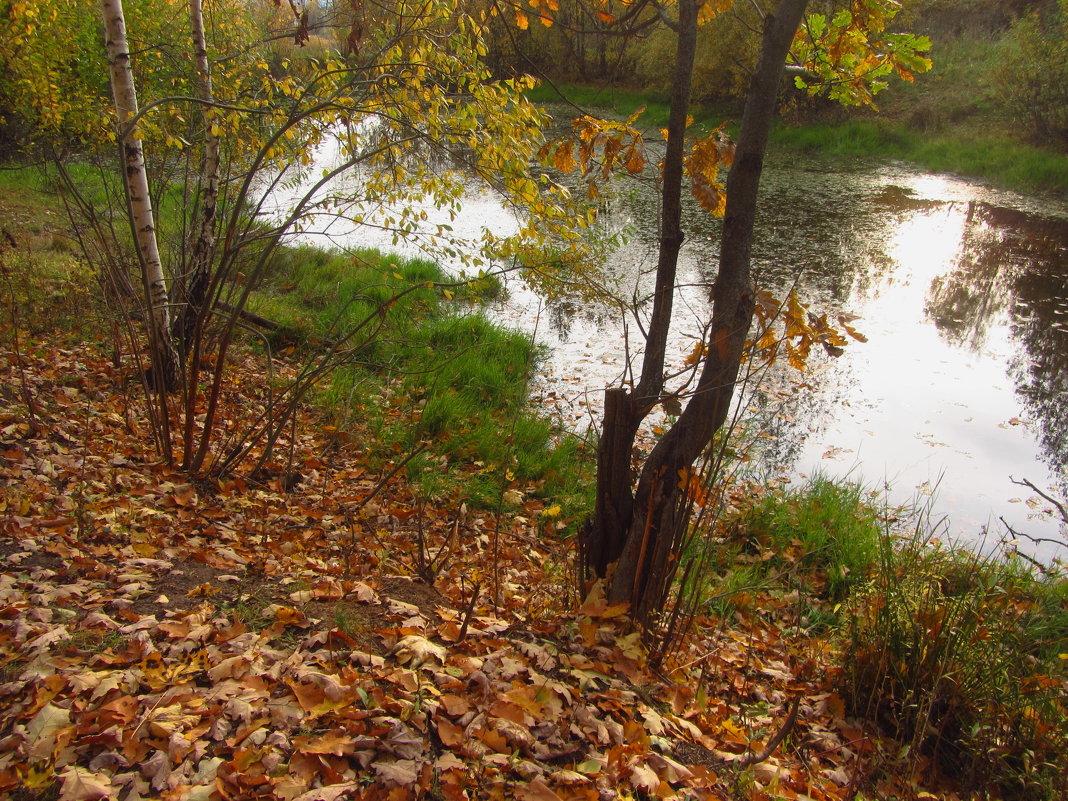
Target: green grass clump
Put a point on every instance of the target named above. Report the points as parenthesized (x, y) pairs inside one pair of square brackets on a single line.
[(1016, 166), (430, 379), (869, 138), (828, 528)]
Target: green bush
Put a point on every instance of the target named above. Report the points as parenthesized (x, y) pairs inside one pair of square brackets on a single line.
[(1033, 77)]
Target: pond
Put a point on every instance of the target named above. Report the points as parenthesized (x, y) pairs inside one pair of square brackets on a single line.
[(960, 290)]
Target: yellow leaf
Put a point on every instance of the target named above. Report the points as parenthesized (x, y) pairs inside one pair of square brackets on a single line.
[(564, 158), (522, 21), (635, 161), (696, 354), (859, 337)]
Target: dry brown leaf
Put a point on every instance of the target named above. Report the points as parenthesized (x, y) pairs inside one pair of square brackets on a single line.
[(451, 735), (536, 790), (402, 772), (83, 785), (417, 651)]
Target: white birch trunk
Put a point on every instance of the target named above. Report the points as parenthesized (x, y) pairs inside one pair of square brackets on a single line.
[(138, 198)]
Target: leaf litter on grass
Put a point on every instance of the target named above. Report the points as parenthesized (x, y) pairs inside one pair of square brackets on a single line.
[(161, 638)]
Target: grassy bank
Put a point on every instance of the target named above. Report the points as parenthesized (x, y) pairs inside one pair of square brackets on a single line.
[(957, 657), (1010, 165), (431, 379)]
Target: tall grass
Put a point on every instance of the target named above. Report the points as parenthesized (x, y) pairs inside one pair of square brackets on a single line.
[(828, 529), (961, 657)]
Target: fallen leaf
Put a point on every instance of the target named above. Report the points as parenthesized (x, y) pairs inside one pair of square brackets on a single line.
[(83, 785), (536, 790), (417, 651), (403, 772)]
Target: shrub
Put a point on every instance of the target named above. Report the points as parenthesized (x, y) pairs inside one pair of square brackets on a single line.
[(1033, 78), (958, 656)]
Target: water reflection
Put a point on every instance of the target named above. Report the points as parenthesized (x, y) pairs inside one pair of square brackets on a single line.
[(962, 293), (963, 381)]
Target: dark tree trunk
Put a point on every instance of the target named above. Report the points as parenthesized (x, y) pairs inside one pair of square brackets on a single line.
[(625, 410), (192, 291), (643, 532)]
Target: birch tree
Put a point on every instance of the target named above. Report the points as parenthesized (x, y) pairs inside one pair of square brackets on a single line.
[(165, 374)]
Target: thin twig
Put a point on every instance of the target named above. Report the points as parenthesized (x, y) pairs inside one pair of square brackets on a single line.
[(773, 743)]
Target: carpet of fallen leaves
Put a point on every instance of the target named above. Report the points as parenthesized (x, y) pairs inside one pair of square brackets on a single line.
[(237, 639)]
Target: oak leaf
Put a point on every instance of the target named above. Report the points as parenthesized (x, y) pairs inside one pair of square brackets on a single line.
[(330, 793), (402, 772)]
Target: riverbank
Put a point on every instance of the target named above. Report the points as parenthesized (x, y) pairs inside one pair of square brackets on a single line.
[(963, 143), (349, 632)]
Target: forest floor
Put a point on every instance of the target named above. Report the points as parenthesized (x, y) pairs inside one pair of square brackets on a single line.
[(294, 637)]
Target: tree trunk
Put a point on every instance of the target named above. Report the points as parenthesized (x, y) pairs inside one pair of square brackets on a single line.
[(195, 283), (658, 512), (623, 410), (165, 359)]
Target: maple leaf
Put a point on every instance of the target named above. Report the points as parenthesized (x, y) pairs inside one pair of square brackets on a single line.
[(43, 729), (83, 785)]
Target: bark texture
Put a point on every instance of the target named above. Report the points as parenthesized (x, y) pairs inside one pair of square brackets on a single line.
[(624, 410), (195, 283), (647, 526), (165, 358)]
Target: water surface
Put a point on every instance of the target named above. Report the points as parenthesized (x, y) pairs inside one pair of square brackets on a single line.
[(960, 290)]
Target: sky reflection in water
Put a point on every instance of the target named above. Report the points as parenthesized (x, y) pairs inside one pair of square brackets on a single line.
[(961, 291)]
